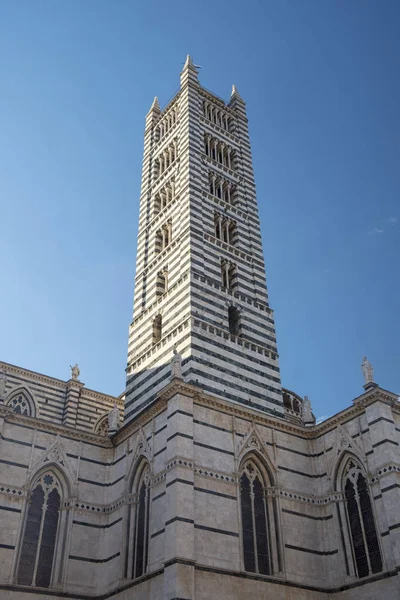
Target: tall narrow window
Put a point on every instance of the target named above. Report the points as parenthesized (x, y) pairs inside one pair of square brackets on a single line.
[(234, 321), (255, 535), (38, 543), (162, 282), (360, 518), (140, 549), (157, 329)]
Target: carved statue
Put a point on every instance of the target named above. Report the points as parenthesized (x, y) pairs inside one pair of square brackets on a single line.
[(113, 419), (176, 365), (75, 371), (367, 370)]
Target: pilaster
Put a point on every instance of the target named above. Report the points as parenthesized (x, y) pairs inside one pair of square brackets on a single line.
[(73, 393)]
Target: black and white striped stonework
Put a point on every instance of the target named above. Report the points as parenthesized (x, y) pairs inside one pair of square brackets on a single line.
[(199, 257)]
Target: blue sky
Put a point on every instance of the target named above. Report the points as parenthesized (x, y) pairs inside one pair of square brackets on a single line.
[(322, 89)]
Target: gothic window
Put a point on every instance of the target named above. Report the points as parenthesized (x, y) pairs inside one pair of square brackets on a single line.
[(256, 538), (162, 282), (228, 273), (234, 321), (361, 523), (157, 329), (137, 552), (22, 403), (39, 538)]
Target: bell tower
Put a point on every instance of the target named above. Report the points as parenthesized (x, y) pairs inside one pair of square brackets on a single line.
[(200, 279)]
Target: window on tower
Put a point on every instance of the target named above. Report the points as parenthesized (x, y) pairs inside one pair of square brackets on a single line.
[(234, 321), (162, 282), (157, 329), (228, 273), (163, 237)]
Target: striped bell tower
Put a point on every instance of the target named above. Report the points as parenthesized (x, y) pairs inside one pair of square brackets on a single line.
[(200, 278)]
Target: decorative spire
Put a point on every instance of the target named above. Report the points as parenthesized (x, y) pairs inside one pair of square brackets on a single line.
[(234, 90), (188, 62), (155, 106)]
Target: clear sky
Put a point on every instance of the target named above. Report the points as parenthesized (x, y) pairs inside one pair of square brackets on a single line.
[(321, 82)]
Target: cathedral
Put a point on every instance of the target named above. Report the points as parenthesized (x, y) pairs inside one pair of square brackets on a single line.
[(205, 478)]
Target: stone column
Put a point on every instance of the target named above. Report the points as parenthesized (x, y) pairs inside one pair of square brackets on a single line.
[(179, 510)]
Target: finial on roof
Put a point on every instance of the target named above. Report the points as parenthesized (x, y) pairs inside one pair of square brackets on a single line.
[(188, 62), (234, 90), (155, 105)]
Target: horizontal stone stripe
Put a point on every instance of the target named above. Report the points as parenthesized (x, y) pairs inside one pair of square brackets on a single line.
[(179, 434), (213, 493), (153, 535), (215, 530), (96, 525), (97, 462), (158, 496), (82, 480), (179, 481), (214, 448), (180, 519), (385, 442), (13, 464), (311, 476), (395, 526), (204, 424), (10, 509), (381, 419), (179, 412), (310, 551), (93, 560), (7, 546), (161, 429), (159, 451), (313, 517)]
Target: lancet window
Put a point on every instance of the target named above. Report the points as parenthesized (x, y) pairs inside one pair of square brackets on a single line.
[(219, 151), (157, 329), (137, 552), (221, 188), (228, 273), (162, 282), (167, 122), (22, 403), (258, 518), (360, 519), (216, 115), (37, 553), (164, 196), (234, 321), (225, 229), (166, 158), (163, 236)]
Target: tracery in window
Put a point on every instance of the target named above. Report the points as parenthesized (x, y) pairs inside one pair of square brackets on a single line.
[(256, 537), (361, 522), (137, 553), (39, 538), (22, 403)]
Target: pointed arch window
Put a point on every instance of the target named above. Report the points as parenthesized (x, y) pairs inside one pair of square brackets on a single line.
[(259, 524), (37, 552), (137, 554), (361, 522), (22, 403), (102, 426)]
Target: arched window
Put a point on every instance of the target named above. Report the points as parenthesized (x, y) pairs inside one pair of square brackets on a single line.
[(137, 553), (287, 403), (261, 552), (40, 532), (234, 320), (22, 403), (157, 329), (361, 523)]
